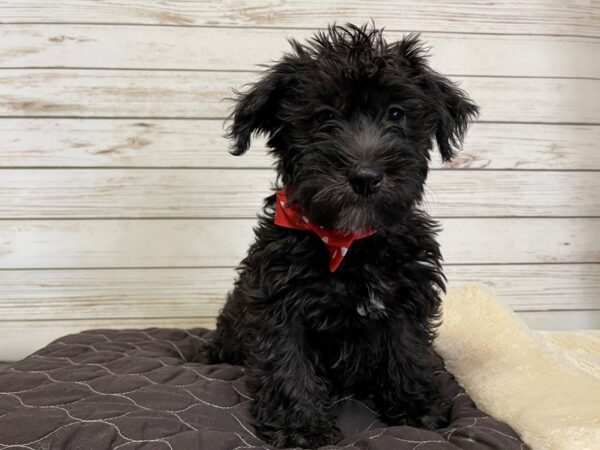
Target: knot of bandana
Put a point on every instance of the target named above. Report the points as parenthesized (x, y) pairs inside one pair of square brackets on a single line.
[(337, 244)]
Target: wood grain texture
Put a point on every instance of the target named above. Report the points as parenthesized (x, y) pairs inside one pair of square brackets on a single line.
[(218, 193), (200, 143), (503, 16), (123, 243), (133, 47), (219, 242), (104, 294), (27, 336), (133, 143), (155, 94), (68, 95), (529, 146), (133, 193), (146, 293), (535, 287), (561, 320)]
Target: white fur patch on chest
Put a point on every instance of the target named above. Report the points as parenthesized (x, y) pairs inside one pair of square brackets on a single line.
[(372, 308)]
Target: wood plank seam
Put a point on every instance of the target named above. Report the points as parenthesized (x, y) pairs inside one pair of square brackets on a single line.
[(295, 28)]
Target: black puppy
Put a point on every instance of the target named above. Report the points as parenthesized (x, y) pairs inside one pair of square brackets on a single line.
[(339, 294)]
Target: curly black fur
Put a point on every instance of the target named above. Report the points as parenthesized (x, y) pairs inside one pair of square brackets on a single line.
[(347, 99)]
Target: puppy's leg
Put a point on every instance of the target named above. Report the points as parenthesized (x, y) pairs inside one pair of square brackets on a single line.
[(292, 402), (407, 392), (226, 346)]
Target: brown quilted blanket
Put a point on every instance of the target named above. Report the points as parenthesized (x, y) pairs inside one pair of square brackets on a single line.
[(140, 389)]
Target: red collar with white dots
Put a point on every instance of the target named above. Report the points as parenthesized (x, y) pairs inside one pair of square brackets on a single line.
[(289, 216)]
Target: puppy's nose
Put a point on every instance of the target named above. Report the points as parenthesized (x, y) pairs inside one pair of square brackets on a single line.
[(365, 180)]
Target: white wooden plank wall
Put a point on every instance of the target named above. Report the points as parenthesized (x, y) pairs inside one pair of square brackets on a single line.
[(114, 172)]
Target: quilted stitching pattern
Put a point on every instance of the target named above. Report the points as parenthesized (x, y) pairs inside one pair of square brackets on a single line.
[(140, 389)]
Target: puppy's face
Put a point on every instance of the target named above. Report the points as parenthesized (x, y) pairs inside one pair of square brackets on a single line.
[(351, 120)]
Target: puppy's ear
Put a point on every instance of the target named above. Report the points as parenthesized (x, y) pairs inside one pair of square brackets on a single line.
[(256, 109), (450, 110)]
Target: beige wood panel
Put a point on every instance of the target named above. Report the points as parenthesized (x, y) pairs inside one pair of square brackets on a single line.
[(530, 147), (503, 16), (22, 337), (146, 293), (123, 243), (127, 47), (27, 336), (110, 293), (185, 243), (517, 61), (144, 143), (132, 93), (200, 143), (117, 193), (211, 193), (535, 287), (561, 320)]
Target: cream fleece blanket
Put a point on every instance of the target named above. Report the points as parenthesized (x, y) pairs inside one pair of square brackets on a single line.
[(545, 385)]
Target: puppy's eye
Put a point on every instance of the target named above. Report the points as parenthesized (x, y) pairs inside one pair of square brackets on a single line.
[(325, 116), (395, 114)]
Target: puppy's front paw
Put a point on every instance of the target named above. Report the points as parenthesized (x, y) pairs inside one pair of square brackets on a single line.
[(308, 439), (434, 419), (318, 438), (417, 414), (431, 421)]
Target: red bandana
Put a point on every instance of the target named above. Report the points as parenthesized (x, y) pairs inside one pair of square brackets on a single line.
[(337, 244)]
